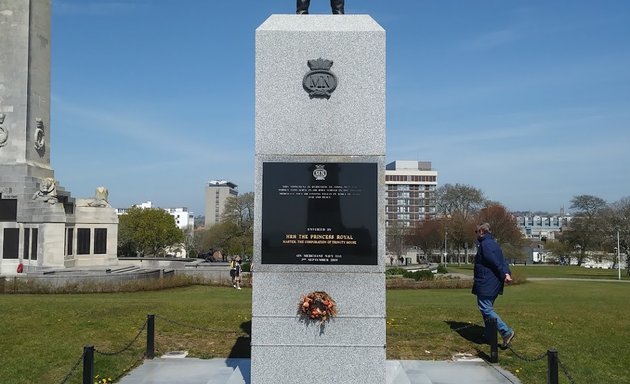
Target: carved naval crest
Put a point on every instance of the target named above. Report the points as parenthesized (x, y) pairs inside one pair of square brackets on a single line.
[(4, 133), (38, 137), (320, 82), (320, 172)]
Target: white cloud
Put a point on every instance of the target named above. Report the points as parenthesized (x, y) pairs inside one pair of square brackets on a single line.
[(491, 40)]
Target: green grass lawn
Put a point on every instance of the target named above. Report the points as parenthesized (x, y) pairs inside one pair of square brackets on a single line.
[(42, 336), (552, 271)]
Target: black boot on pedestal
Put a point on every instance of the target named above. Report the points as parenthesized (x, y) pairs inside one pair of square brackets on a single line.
[(302, 7), (337, 7)]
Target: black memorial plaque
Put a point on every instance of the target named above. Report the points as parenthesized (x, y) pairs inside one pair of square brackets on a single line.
[(320, 213)]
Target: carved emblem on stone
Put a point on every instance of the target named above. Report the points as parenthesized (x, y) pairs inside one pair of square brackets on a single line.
[(4, 133), (39, 136), (320, 82), (47, 191), (320, 172)]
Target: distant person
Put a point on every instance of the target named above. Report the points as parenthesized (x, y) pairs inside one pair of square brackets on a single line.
[(233, 271), (238, 271), (336, 5), (491, 273)]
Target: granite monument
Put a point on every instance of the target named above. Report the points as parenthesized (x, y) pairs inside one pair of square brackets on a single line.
[(318, 310)]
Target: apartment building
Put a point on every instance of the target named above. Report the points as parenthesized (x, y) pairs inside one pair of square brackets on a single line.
[(217, 193), (411, 188)]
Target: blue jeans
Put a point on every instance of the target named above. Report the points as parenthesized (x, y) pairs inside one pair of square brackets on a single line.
[(485, 304)]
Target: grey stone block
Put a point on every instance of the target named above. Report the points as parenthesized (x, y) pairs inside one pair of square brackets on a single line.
[(352, 121), (356, 294), (339, 365)]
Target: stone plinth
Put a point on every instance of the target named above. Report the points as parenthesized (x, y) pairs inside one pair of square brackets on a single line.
[(346, 127)]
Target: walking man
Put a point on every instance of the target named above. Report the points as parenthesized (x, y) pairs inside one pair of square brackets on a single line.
[(491, 273)]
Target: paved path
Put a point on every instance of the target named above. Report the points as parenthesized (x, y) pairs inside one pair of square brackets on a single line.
[(237, 371)]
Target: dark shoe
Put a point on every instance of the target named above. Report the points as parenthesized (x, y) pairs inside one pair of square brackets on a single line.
[(508, 339)]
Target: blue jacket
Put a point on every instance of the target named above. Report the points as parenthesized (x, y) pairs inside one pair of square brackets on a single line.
[(490, 268)]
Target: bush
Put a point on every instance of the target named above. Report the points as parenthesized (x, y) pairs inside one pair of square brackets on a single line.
[(395, 271), (442, 269), (246, 267), (424, 275)]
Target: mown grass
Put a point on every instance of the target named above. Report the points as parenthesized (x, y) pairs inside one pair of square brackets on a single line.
[(42, 336), (552, 271)]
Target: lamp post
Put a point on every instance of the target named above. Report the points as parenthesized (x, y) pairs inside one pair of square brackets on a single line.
[(445, 252), (618, 257)]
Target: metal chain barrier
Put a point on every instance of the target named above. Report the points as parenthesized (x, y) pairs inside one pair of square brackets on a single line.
[(528, 359), (566, 372), (126, 347), (542, 356), (74, 368), (199, 328)]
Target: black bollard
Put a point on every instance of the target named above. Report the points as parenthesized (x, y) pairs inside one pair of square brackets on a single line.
[(552, 366), (150, 336), (494, 344), (88, 364)]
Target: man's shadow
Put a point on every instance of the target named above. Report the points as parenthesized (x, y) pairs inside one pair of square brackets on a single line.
[(242, 348), (472, 333)]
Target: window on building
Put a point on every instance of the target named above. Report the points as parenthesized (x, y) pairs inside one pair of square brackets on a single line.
[(8, 210), (100, 241), (27, 243), (34, 239), (69, 240), (83, 241), (11, 243)]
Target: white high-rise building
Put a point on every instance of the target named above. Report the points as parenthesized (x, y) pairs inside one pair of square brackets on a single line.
[(410, 192)]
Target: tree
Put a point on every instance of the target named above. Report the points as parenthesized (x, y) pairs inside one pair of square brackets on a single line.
[(429, 235), (504, 229), (218, 237), (395, 238), (561, 250), (234, 234), (147, 232), (585, 230), (240, 211), (619, 220), (458, 205), (502, 223), (461, 199)]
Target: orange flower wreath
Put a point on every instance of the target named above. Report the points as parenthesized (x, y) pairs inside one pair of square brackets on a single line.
[(317, 305)]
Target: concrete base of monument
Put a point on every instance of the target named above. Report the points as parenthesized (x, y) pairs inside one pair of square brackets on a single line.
[(238, 371)]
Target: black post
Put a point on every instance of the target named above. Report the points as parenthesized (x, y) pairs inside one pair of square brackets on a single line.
[(552, 366), (494, 346), (88, 364), (150, 336)]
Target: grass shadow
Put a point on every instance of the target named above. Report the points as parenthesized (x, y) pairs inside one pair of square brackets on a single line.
[(470, 332), (242, 347)]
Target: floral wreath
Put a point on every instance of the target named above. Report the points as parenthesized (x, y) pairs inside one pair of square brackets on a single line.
[(317, 305)]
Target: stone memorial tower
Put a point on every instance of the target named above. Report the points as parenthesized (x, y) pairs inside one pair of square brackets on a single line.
[(320, 205), (41, 225)]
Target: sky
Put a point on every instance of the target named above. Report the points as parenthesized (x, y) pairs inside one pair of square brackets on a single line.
[(528, 101)]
